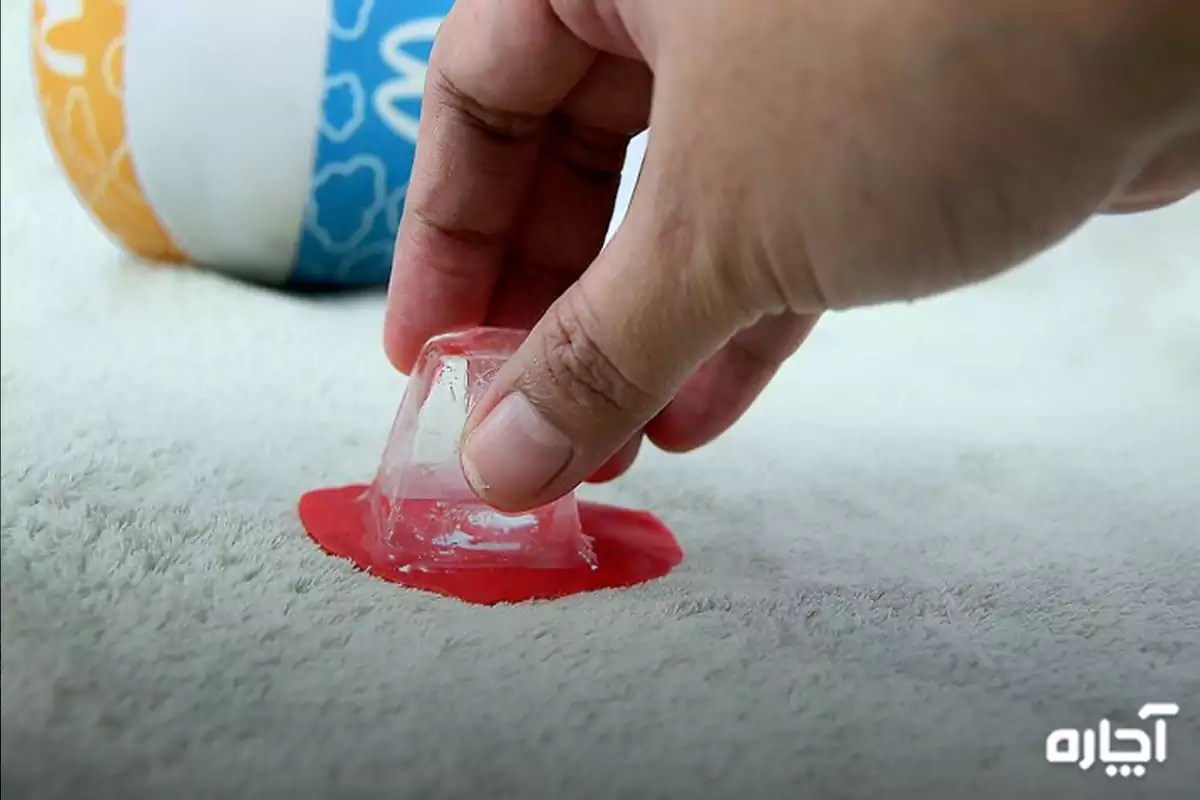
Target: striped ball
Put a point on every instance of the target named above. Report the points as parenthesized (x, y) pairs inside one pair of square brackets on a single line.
[(271, 139)]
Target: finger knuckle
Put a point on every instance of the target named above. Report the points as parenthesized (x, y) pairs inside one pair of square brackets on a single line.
[(447, 226), (579, 366), (497, 124), (594, 155)]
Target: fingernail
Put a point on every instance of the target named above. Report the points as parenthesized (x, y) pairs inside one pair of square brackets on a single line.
[(514, 453)]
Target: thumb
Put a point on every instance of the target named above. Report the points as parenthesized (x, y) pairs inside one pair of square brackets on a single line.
[(606, 357)]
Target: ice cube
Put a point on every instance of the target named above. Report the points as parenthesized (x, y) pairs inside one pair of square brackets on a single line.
[(422, 511)]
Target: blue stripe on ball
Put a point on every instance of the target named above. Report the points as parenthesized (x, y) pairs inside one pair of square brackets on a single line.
[(375, 70)]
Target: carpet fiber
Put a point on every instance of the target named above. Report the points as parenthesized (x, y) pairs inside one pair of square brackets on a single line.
[(946, 530)]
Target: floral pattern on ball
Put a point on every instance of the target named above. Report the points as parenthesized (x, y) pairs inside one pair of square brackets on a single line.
[(375, 73), (78, 59)]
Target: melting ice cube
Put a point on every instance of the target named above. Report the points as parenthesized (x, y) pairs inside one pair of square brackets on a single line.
[(422, 511)]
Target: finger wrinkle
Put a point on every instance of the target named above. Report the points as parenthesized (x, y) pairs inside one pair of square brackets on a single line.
[(498, 124), (467, 237)]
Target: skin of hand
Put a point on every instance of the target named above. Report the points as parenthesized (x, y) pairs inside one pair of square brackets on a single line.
[(804, 157)]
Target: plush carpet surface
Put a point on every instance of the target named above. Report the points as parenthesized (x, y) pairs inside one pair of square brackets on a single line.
[(946, 530)]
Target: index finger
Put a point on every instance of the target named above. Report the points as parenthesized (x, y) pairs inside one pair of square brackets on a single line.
[(498, 68)]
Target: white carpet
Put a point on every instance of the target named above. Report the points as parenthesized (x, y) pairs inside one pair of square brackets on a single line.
[(946, 530)]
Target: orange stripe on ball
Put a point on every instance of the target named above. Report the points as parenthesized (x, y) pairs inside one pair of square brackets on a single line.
[(79, 65)]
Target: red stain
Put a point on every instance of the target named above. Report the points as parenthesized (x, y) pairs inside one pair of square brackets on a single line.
[(631, 547)]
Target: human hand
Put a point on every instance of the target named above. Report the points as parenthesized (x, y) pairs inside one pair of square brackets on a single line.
[(804, 157)]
